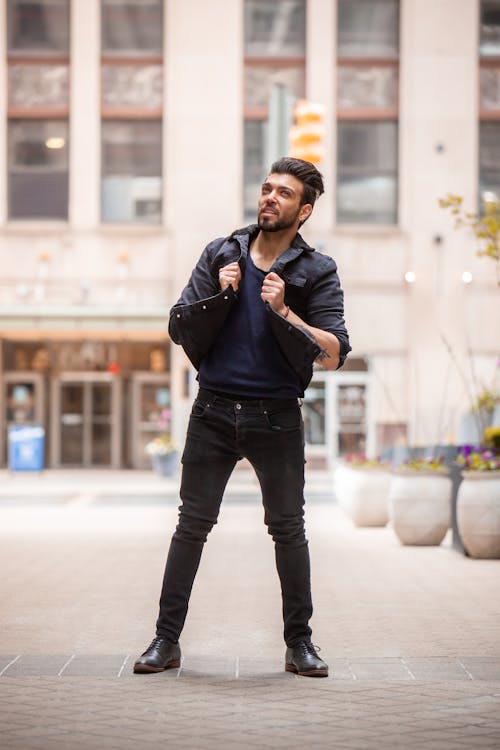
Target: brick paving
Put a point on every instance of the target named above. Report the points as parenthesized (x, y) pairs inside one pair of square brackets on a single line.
[(412, 635)]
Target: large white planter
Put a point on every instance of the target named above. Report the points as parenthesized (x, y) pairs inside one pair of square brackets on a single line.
[(362, 494), (478, 513), (420, 506)]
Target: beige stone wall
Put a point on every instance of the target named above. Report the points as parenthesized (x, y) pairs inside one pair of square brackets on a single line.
[(396, 325)]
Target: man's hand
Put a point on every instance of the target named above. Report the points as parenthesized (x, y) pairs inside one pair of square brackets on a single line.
[(273, 291), (230, 276)]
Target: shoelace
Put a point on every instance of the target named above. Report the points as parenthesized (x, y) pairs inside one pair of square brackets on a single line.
[(308, 648), (157, 641)]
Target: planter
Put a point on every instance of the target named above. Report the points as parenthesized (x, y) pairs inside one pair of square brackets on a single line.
[(166, 465), (362, 493), (478, 513), (420, 506)]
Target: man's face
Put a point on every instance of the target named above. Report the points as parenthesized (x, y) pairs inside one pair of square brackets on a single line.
[(279, 203)]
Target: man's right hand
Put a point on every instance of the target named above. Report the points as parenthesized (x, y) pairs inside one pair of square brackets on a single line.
[(230, 276)]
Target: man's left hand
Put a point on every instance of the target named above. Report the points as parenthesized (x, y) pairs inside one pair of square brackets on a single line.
[(273, 291)]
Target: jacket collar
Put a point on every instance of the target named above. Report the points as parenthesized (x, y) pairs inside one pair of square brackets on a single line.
[(245, 235)]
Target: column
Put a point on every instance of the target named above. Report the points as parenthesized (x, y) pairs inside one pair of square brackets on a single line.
[(85, 133)]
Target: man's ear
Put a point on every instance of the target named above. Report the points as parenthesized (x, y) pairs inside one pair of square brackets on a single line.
[(305, 212)]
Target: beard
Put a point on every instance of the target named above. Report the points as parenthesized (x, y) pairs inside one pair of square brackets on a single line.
[(274, 224)]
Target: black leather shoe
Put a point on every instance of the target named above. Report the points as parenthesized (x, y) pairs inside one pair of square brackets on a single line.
[(160, 655), (302, 659)]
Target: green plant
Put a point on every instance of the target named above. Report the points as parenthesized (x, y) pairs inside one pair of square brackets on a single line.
[(486, 401), (486, 226), (492, 438)]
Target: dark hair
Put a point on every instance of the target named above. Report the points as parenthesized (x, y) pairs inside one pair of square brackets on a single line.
[(304, 171)]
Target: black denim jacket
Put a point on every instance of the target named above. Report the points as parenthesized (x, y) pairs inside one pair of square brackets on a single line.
[(312, 290)]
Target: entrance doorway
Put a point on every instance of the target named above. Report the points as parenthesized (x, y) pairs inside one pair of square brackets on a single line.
[(337, 417), (86, 414)]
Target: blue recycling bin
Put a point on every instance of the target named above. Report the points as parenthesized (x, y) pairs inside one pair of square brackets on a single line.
[(26, 447)]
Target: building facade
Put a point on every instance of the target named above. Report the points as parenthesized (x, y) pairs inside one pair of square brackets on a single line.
[(133, 132)]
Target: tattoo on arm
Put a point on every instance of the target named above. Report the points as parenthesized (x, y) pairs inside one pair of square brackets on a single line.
[(323, 353)]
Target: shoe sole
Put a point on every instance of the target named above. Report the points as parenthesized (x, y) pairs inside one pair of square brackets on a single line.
[(146, 669), (309, 673)]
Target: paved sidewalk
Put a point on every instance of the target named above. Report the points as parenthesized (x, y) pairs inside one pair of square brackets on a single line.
[(412, 635)]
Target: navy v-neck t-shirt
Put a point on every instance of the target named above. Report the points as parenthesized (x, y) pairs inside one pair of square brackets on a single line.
[(245, 359)]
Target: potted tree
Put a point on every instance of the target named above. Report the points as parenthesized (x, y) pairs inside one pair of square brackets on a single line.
[(420, 501), (478, 501)]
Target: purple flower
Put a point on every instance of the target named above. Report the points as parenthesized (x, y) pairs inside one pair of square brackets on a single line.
[(466, 450)]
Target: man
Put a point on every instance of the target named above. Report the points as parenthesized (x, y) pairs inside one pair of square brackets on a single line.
[(260, 307)]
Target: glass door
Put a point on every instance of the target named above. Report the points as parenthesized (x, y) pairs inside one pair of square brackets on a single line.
[(316, 422), (87, 418), (100, 427), (72, 424), (352, 418), (337, 418)]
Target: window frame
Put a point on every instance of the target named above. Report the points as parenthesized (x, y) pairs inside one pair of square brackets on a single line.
[(368, 114), (38, 57), (262, 113), (485, 115), (485, 63), (138, 58), (129, 113)]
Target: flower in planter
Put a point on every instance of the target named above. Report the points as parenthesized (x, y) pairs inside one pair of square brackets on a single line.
[(356, 460), (162, 444), (471, 459), (428, 463), (478, 501)]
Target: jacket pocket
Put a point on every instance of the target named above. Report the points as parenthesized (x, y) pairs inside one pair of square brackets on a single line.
[(295, 279), (295, 293)]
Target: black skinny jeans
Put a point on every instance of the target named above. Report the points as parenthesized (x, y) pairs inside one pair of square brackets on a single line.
[(269, 433)]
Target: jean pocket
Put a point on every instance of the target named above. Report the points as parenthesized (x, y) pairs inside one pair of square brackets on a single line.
[(284, 419), (199, 408)]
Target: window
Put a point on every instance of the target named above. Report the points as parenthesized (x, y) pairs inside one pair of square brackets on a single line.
[(489, 45), (367, 106), (489, 102), (38, 169), (131, 159), (132, 27), (35, 26), (38, 108), (132, 101), (274, 54)]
